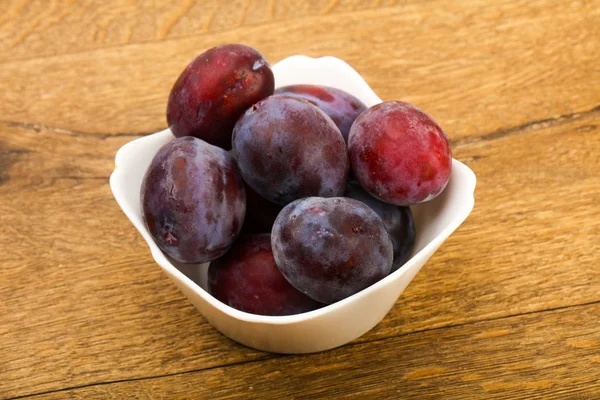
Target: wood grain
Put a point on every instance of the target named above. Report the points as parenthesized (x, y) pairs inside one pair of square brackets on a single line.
[(506, 309), (508, 359), (30, 28), (475, 67), (103, 279)]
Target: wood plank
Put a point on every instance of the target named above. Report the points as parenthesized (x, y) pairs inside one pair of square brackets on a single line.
[(75, 273), (30, 28), (548, 355), (476, 68)]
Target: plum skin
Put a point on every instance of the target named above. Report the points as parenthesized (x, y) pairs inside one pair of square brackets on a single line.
[(398, 222), (331, 248), (399, 154), (215, 89), (287, 148), (340, 106), (260, 213), (247, 278), (193, 200)]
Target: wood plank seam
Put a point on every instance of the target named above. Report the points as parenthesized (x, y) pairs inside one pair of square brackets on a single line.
[(39, 128), (523, 128), (530, 126)]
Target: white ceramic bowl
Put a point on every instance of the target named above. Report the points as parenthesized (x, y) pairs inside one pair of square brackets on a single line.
[(336, 324)]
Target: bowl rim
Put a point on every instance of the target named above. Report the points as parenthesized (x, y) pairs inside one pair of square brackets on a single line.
[(118, 178)]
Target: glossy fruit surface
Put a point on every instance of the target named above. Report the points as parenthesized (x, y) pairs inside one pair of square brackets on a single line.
[(286, 148), (398, 221), (215, 89), (193, 200), (260, 213), (246, 278), (399, 154), (331, 248), (341, 107)]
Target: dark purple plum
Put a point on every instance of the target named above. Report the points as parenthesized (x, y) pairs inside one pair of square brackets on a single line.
[(399, 154), (331, 248), (341, 107), (215, 89), (260, 213), (286, 149), (193, 200), (247, 278), (398, 221)]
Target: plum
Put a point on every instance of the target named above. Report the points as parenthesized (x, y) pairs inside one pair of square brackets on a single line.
[(398, 221), (331, 248), (193, 200), (286, 148), (260, 213), (247, 278), (399, 154), (215, 89)]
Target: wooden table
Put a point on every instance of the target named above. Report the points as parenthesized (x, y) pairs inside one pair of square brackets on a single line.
[(508, 308)]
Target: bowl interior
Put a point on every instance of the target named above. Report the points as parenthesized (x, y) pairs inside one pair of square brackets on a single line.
[(434, 220)]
